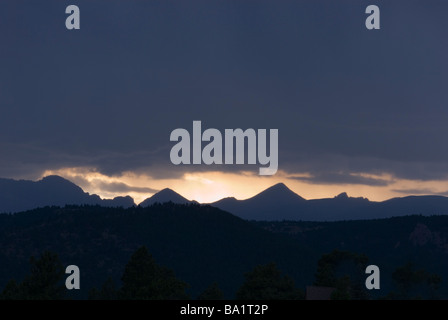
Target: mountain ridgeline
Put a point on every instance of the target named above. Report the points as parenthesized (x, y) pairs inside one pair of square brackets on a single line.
[(219, 243), (21, 195), (276, 203), (280, 203)]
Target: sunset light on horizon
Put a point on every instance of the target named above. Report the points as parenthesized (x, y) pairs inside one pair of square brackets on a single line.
[(207, 187)]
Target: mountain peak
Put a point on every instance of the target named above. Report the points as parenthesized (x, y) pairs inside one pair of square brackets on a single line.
[(53, 190), (167, 191), (165, 195), (52, 176), (54, 179), (342, 195), (279, 192), (270, 204), (59, 184), (280, 186)]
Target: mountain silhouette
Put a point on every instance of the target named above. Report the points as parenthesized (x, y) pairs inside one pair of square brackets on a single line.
[(280, 203), (165, 195), (280, 192), (124, 202), (21, 195), (270, 204), (276, 203)]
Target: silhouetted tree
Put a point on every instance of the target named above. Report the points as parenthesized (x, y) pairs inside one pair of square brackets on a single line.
[(266, 282), (45, 282), (347, 287), (143, 279), (46, 279), (12, 291), (433, 281), (213, 292), (414, 284)]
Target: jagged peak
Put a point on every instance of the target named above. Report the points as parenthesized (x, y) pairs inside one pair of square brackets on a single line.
[(342, 195)]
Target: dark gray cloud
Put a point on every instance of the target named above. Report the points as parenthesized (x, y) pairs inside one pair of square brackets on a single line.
[(422, 191), (107, 96), (343, 178), (122, 187), (106, 186), (330, 163)]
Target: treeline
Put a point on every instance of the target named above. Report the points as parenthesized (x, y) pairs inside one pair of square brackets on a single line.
[(144, 279), (201, 243)]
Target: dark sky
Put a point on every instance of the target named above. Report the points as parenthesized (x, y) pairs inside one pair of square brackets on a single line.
[(346, 100)]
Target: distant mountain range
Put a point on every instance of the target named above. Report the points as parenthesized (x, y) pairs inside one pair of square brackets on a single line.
[(280, 203), (21, 195), (275, 203)]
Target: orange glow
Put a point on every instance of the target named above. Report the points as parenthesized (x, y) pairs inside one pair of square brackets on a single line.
[(206, 187)]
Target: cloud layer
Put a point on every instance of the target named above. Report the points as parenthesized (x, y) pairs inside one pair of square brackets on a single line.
[(349, 103)]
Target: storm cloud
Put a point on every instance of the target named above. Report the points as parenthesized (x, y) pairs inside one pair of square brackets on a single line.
[(107, 96), (341, 178)]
